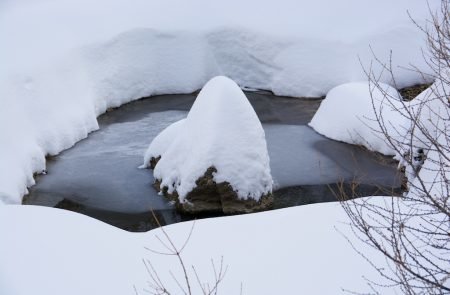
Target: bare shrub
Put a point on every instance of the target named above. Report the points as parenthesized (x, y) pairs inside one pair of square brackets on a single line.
[(412, 232), (157, 286)]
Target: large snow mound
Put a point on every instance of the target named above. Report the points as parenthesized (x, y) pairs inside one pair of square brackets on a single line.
[(61, 67), (222, 131), (349, 113)]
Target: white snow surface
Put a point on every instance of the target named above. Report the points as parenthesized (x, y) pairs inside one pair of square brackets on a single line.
[(432, 112), (52, 252), (164, 139), (64, 62), (222, 131), (349, 112)]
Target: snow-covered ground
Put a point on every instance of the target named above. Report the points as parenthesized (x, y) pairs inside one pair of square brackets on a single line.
[(300, 250), (65, 62)]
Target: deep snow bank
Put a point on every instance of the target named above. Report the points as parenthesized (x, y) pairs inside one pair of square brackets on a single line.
[(222, 131), (275, 252), (40, 114), (61, 66)]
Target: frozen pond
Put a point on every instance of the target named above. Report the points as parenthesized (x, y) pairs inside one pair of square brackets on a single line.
[(99, 176)]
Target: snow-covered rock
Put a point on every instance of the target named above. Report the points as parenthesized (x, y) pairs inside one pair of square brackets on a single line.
[(349, 114), (216, 155)]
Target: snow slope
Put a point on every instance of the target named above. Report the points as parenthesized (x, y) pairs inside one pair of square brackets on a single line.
[(221, 130), (299, 250), (65, 62)]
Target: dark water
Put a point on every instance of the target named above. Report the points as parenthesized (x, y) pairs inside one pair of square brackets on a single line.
[(99, 176)]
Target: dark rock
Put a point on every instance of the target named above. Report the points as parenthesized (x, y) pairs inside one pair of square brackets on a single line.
[(69, 205), (409, 93), (154, 161), (209, 196)]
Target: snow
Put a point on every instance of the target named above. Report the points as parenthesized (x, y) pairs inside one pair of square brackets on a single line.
[(160, 143), (349, 112), (222, 131), (39, 117), (431, 134), (297, 250), (65, 62), (62, 67)]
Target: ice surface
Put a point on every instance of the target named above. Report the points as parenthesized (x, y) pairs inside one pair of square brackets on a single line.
[(101, 171), (300, 156)]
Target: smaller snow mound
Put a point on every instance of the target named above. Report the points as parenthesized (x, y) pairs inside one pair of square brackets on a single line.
[(222, 133), (349, 112), (161, 142)]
